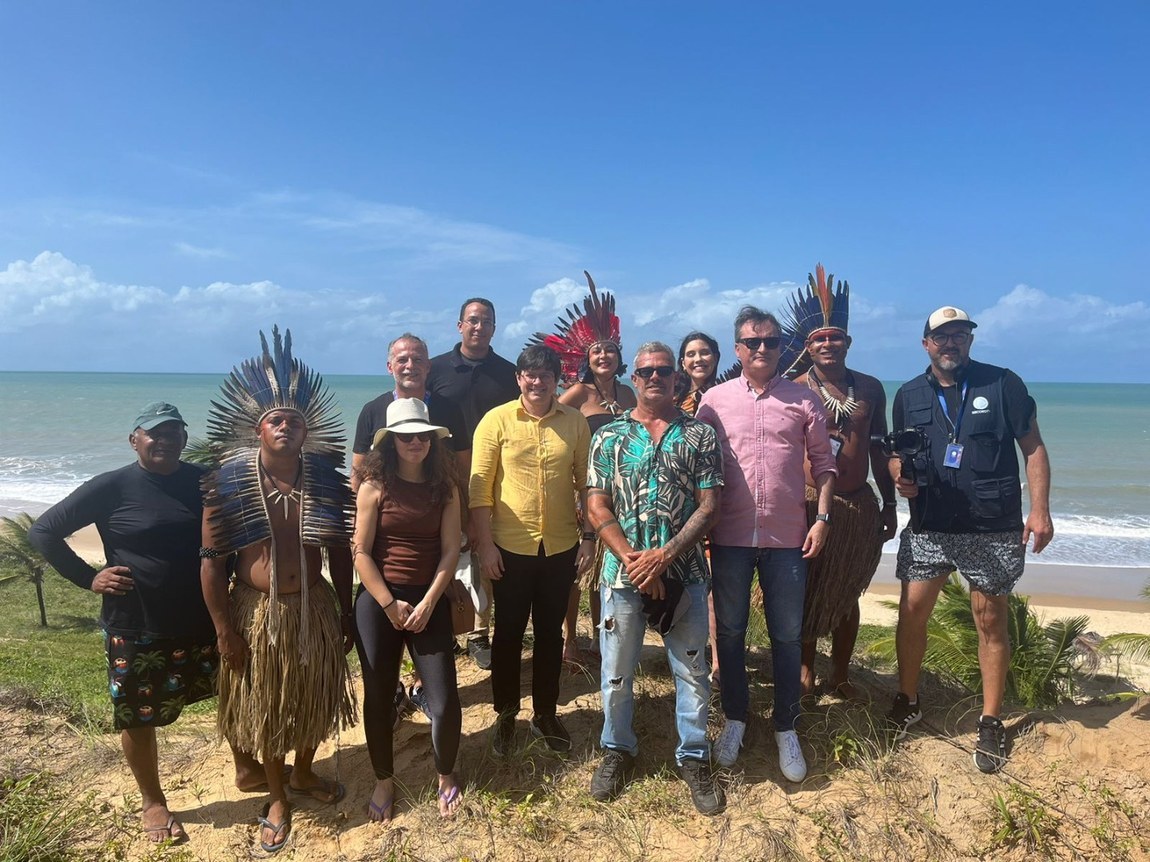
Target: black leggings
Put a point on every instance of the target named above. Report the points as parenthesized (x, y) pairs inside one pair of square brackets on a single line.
[(380, 646), (539, 588)]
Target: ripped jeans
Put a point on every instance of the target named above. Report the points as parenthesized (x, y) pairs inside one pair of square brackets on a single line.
[(621, 642)]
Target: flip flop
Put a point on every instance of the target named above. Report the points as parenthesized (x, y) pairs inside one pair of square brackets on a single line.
[(453, 793), (376, 812), (276, 828), (320, 791), (167, 830)]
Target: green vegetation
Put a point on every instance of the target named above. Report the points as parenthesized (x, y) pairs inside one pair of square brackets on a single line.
[(40, 821), (22, 562), (1135, 646), (1043, 660)]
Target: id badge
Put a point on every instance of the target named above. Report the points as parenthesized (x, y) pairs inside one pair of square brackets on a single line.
[(953, 456), (836, 447)]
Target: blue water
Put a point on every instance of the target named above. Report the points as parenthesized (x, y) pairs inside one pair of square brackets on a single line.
[(58, 429)]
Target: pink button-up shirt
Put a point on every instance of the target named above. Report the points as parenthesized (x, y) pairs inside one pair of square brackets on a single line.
[(765, 439)]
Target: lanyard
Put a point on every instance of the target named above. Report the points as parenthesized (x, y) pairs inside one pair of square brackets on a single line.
[(954, 426)]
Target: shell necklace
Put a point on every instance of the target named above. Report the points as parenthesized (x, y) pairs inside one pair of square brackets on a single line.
[(275, 496), (840, 410), (610, 405)]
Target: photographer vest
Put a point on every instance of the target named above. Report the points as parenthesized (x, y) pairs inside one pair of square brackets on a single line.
[(983, 494)]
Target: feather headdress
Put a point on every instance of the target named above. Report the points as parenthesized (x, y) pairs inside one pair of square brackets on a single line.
[(809, 310), (584, 325), (275, 380)]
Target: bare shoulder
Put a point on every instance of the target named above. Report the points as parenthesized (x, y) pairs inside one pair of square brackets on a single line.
[(575, 396), (867, 387)]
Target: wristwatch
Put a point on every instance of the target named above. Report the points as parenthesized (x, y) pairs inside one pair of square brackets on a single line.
[(825, 518)]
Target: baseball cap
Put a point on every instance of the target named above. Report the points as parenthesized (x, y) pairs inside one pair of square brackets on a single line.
[(944, 315), (157, 413)]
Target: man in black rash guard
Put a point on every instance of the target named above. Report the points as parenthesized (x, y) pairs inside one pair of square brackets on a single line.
[(159, 638)]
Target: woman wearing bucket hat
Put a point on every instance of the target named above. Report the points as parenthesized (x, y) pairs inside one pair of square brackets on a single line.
[(406, 546)]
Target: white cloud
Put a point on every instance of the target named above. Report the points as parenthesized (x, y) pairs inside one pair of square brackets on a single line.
[(546, 303), (189, 250)]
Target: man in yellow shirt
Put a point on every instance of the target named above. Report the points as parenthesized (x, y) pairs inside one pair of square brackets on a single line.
[(528, 464)]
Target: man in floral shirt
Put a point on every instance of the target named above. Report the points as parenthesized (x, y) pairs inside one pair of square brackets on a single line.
[(654, 481)]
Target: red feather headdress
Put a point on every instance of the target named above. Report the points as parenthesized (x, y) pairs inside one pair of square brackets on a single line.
[(584, 325)]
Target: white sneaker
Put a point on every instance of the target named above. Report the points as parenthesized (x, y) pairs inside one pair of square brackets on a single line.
[(730, 740), (791, 760)]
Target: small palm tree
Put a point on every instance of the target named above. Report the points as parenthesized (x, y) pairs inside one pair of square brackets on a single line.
[(23, 561), (203, 452), (1043, 658), (1134, 645)]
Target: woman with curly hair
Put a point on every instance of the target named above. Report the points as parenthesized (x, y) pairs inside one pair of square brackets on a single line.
[(406, 548)]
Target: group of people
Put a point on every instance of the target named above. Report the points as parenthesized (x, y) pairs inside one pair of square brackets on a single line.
[(665, 500)]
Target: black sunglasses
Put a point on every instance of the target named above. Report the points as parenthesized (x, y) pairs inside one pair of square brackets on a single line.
[(661, 370), (422, 436), (771, 342)]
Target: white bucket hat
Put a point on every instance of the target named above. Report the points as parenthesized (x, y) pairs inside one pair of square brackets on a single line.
[(407, 416)]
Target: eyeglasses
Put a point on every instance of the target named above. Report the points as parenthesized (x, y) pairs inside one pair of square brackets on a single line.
[(479, 322), (650, 370), (421, 436), (939, 339), (771, 342)]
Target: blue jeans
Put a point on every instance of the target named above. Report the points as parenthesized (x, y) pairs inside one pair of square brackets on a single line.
[(621, 642), (783, 580)]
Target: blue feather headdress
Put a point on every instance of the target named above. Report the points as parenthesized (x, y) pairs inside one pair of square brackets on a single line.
[(275, 380), (809, 310)]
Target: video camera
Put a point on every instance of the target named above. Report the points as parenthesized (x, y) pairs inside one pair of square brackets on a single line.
[(912, 447)]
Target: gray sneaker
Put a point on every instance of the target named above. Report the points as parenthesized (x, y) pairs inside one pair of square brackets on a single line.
[(990, 750), (479, 648), (503, 735), (707, 796)]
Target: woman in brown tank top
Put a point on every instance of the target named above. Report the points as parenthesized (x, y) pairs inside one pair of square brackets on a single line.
[(406, 548)]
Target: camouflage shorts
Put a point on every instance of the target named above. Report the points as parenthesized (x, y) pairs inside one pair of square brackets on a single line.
[(991, 562), (152, 680)]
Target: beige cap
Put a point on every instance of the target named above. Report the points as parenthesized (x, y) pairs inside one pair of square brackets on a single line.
[(944, 315)]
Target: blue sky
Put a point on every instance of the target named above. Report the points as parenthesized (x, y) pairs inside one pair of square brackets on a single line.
[(174, 177)]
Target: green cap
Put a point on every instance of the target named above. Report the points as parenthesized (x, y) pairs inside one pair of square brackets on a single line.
[(157, 413)]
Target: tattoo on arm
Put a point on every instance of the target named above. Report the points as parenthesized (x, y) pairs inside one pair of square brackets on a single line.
[(597, 492), (695, 528)]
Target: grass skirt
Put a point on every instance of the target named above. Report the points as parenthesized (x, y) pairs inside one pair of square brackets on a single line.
[(840, 574), (279, 703)]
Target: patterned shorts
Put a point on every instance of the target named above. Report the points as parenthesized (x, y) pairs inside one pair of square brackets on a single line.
[(152, 680), (991, 562)]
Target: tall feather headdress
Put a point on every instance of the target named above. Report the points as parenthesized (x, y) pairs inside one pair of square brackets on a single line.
[(275, 380), (812, 308), (585, 324)]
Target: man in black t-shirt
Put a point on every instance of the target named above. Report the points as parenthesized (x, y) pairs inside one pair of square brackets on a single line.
[(476, 378), (966, 511), (407, 362)]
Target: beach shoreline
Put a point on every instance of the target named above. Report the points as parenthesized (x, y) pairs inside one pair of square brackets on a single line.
[(1107, 615)]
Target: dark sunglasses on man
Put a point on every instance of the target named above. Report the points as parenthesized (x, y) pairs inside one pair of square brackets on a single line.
[(661, 370), (771, 342)]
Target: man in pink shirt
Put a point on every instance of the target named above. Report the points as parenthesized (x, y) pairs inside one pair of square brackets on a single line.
[(766, 425)]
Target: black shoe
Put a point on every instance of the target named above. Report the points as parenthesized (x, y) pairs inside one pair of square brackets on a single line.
[(707, 796), (990, 750), (903, 714), (551, 730), (479, 648), (503, 735), (611, 775), (419, 698), (403, 705)]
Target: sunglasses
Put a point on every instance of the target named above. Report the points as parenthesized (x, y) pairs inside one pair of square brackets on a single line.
[(939, 339), (771, 342), (422, 437), (661, 370)]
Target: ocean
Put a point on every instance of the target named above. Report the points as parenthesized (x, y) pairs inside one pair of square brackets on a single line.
[(58, 429)]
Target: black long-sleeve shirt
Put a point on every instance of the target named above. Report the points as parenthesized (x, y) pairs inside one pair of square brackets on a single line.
[(148, 523)]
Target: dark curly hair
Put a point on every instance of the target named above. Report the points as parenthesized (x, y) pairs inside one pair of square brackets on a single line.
[(382, 465), (682, 379)]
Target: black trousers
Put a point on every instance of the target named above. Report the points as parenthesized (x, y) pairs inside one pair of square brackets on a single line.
[(536, 588), (380, 647)]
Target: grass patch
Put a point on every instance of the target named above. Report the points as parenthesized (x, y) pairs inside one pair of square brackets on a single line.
[(41, 820)]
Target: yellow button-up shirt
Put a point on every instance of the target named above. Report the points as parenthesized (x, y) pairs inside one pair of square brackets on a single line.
[(528, 469)]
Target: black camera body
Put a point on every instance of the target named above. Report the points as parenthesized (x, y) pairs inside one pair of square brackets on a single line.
[(912, 447)]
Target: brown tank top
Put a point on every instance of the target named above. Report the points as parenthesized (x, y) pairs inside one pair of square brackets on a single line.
[(407, 547)]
